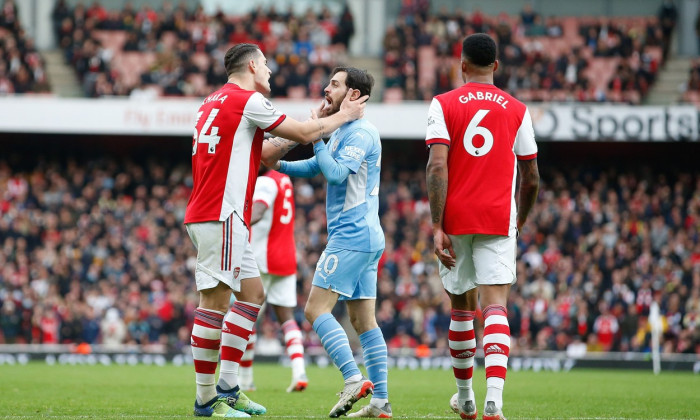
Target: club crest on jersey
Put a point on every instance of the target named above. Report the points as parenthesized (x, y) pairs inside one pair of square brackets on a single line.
[(236, 272)]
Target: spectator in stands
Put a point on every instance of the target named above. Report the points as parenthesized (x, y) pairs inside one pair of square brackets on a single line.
[(21, 66), (527, 16), (530, 56), (346, 28), (291, 39), (54, 212), (668, 15)]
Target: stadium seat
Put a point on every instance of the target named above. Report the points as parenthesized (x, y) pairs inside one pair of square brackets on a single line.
[(201, 60), (198, 84), (393, 95), (600, 70), (426, 66), (693, 97), (168, 40), (296, 92), (130, 65), (111, 40)]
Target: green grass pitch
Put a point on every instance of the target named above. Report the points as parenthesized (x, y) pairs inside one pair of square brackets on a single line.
[(38, 390)]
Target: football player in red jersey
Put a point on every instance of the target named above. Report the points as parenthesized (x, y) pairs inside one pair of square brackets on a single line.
[(476, 134), (275, 252), (226, 152)]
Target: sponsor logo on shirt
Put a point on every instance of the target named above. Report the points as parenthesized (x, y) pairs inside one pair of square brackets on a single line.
[(354, 152)]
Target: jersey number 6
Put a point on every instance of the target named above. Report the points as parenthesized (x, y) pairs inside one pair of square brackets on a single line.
[(473, 130)]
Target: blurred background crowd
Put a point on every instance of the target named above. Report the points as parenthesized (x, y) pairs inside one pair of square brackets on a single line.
[(176, 50), (95, 251)]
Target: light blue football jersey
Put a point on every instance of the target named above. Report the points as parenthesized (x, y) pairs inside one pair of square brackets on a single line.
[(352, 207)]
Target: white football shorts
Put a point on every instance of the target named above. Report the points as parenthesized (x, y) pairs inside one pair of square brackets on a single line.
[(223, 253), (280, 290), (481, 260)]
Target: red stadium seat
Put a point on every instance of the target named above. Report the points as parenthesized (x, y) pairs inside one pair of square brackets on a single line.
[(201, 60), (130, 65), (169, 40), (600, 71), (111, 40), (296, 92), (426, 66), (693, 97), (393, 95)]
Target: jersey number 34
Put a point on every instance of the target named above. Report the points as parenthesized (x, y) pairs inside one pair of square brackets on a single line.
[(209, 134)]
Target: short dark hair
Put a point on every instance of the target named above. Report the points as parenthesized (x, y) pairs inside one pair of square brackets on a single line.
[(237, 57), (480, 49), (356, 79)]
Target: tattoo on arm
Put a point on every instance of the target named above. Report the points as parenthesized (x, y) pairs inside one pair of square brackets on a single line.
[(275, 148), (437, 193), (283, 145), (321, 128), (529, 186)]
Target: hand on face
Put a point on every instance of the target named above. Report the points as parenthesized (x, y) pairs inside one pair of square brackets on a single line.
[(321, 111), (354, 109)]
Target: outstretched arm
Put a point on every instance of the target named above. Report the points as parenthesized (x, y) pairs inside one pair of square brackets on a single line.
[(274, 149), (313, 129), (302, 168), (334, 172), (436, 174), (529, 186)]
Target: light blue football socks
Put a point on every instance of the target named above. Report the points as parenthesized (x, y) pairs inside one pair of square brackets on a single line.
[(375, 354), (335, 341)]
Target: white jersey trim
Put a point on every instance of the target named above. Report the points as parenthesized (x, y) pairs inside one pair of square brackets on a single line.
[(357, 188), (437, 129), (266, 192)]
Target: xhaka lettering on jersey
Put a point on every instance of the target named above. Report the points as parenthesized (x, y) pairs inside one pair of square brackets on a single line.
[(481, 96), (216, 97)]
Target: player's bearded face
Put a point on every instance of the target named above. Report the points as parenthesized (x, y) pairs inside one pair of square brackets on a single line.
[(335, 93)]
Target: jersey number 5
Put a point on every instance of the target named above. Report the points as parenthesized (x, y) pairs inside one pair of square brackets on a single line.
[(287, 206), (212, 139), (473, 130)]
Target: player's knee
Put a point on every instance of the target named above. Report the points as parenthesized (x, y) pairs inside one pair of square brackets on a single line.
[(258, 298), (355, 321), (310, 313)]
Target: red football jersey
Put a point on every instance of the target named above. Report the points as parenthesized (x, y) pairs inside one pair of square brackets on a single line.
[(273, 235), (486, 129), (226, 150)]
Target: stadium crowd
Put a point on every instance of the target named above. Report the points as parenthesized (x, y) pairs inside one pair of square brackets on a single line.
[(96, 253), (21, 66), (176, 51), (542, 58)]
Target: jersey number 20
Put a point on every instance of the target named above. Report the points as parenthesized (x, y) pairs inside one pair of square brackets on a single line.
[(473, 130)]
